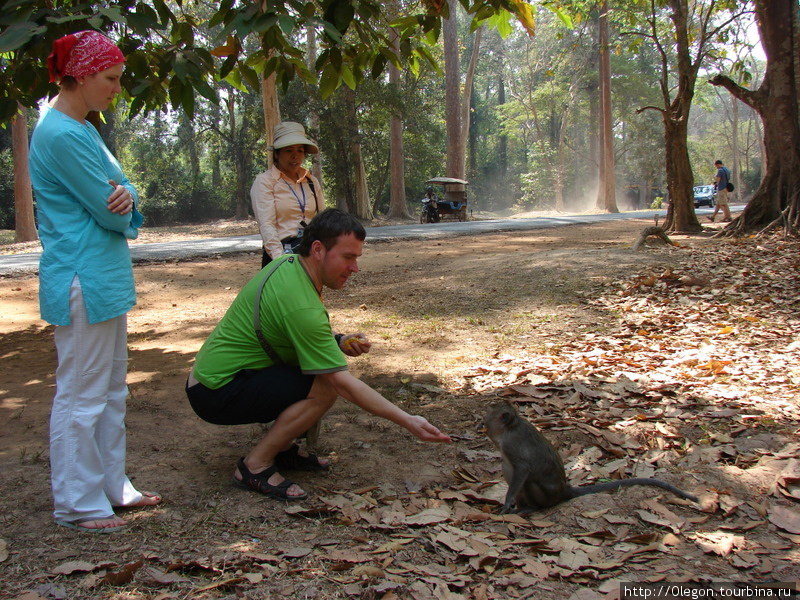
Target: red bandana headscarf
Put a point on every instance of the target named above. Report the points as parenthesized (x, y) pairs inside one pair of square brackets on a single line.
[(81, 54)]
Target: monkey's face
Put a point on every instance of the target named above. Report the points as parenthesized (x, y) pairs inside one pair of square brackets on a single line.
[(499, 417)]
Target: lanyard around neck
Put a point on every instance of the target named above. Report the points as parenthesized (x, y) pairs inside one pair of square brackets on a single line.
[(300, 203)]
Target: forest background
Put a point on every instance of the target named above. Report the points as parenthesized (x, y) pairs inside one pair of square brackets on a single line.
[(532, 139)]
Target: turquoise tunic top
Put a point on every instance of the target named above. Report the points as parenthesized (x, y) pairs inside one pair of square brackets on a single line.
[(70, 169)]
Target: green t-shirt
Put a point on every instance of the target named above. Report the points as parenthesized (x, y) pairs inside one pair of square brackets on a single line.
[(293, 319)]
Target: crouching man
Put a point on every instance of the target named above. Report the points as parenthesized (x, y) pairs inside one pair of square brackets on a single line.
[(273, 357)]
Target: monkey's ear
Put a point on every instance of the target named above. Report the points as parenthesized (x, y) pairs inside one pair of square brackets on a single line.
[(508, 416)]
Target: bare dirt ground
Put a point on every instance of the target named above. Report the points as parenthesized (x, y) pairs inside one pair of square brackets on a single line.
[(679, 362)]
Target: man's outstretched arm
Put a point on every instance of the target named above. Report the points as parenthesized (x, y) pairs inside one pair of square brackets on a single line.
[(359, 393)]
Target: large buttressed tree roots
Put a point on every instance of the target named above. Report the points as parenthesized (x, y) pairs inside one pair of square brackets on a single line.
[(776, 202)]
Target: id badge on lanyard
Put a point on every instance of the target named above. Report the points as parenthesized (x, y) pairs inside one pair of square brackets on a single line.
[(292, 245)]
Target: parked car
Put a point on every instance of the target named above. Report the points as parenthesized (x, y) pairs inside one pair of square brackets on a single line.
[(704, 195)]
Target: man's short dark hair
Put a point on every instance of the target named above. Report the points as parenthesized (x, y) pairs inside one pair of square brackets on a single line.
[(327, 226), (717, 162)]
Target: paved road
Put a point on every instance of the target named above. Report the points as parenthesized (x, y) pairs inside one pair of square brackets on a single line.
[(183, 250)]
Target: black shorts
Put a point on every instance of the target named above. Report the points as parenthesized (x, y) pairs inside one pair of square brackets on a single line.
[(253, 396)]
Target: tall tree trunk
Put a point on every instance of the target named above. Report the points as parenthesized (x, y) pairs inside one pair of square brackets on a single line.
[(595, 162), (607, 188), (675, 116), (24, 223), (398, 207), (736, 163), (452, 68), (313, 118), (269, 93), (216, 172), (188, 138), (188, 142), (472, 139), (777, 101), (456, 105), (270, 106), (561, 126), (680, 179), (466, 100), (762, 148), (362, 207), (383, 180), (561, 167), (502, 141), (237, 150), (679, 174), (559, 185)]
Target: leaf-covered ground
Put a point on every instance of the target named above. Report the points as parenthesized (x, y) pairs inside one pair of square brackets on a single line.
[(673, 362)]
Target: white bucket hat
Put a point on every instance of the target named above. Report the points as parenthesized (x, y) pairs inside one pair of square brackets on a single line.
[(289, 133)]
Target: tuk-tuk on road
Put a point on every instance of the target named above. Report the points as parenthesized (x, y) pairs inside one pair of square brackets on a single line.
[(452, 202)]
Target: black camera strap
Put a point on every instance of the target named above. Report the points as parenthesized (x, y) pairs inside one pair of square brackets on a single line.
[(313, 191)]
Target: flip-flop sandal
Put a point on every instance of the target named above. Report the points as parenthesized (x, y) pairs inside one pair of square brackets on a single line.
[(292, 460), (257, 482), (77, 526)]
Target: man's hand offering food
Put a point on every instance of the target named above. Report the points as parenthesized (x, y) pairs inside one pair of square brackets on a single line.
[(355, 344)]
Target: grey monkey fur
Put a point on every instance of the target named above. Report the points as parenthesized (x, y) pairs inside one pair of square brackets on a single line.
[(534, 470)]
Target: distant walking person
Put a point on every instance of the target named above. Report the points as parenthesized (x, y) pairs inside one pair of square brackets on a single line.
[(287, 196), (721, 181), (87, 212)]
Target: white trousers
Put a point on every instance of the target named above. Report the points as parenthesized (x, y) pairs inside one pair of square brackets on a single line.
[(87, 423)]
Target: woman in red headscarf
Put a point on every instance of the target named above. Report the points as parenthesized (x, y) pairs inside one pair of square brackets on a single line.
[(87, 212)]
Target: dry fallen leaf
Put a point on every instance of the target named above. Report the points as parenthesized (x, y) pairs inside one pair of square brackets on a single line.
[(494, 494), (319, 509), (298, 552), (74, 566), (193, 565), (729, 504), (348, 556), (429, 516), (216, 585), (368, 571), (745, 560), (123, 576), (788, 482), (654, 519), (153, 576), (786, 518), (643, 539), (718, 542), (677, 522)]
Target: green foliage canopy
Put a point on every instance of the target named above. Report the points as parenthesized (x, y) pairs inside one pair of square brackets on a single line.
[(173, 52)]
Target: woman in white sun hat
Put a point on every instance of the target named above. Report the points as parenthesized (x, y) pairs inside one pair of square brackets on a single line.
[(287, 196)]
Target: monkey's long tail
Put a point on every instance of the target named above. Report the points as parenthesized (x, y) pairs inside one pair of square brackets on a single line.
[(613, 485)]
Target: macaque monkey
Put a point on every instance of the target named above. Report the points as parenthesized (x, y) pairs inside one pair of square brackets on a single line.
[(533, 468)]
